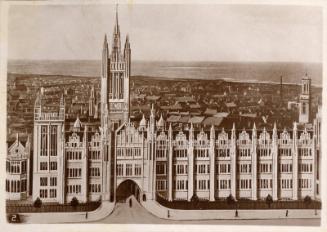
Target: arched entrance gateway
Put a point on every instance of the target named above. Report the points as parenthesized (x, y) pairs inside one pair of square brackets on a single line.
[(126, 189)]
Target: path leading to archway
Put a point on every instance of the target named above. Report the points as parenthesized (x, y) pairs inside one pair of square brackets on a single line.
[(136, 214), (123, 214)]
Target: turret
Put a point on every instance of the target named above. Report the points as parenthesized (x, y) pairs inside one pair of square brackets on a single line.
[(17, 138), (62, 108), (254, 132), (77, 125), (116, 50), (28, 145), (143, 124), (127, 55), (85, 136), (212, 132), (37, 106), (161, 123), (275, 134), (105, 73), (152, 124), (233, 136), (191, 133), (91, 102), (294, 133), (105, 57), (170, 132)]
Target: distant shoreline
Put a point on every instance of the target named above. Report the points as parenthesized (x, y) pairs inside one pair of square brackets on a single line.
[(167, 79), (242, 72)]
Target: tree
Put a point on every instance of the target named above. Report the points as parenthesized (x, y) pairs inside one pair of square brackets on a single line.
[(269, 200), (37, 203), (195, 200), (307, 200), (74, 202), (230, 200)]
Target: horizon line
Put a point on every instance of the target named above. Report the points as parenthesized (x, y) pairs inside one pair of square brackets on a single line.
[(181, 61)]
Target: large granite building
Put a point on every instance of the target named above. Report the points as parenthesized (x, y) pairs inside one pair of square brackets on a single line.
[(90, 159)]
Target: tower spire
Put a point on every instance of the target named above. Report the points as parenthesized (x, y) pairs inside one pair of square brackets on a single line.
[(116, 38), (105, 41), (117, 25)]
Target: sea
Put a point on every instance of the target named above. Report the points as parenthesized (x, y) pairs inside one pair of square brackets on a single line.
[(231, 71)]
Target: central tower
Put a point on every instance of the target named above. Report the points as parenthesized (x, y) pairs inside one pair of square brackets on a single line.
[(115, 74)]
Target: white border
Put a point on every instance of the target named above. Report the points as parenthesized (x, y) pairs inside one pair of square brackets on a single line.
[(4, 6)]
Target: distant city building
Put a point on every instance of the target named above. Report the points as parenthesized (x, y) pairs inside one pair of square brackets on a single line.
[(305, 101)]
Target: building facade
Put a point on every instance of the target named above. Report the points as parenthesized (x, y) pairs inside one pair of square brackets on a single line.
[(213, 164), (18, 170), (90, 158), (48, 153)]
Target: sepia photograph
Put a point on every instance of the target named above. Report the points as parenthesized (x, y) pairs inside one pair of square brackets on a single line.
[(122, 112)]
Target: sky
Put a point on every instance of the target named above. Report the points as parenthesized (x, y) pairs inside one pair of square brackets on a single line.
[(193, 32)]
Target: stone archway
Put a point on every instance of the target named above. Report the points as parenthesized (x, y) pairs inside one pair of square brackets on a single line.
[(127, 188)]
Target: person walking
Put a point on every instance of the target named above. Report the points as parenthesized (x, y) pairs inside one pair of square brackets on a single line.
[(86, 215), (287, 213), (130, 202)]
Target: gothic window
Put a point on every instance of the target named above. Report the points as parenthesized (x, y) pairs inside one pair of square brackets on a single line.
[(129, 170), (201, 153), (264, 152), (224, 184), (53, 141), (120, 169), (43, 193), (180, 153), (24, 167), (222, 138), (285, 151), (161, 169), (74, 188), (137, 170), (224, 168), (244, 139), (74, 172), (94, 172), (244, 152), (201, 169), (285, 138), (303, 108), (44, 140), (95, 188), (53, 181), (264, 138), (285, 168), (53, 193), (222, 153), (161, 185), (53, 166), (285, 183), (305, 138), (244, 183), (43, 166), (43, 181), (265, 167), (203, 185)]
